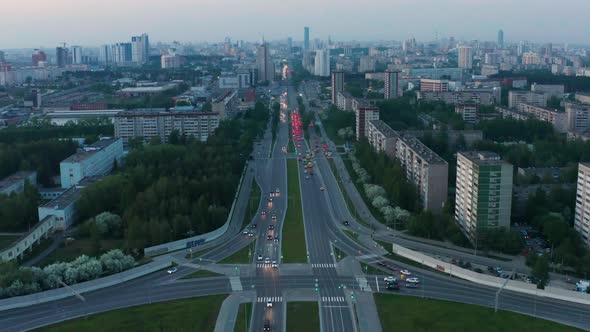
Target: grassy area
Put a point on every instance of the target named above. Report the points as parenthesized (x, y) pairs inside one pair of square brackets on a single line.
[(359, 187), (291, 147), (243, 319), (368, 269), (242, 256), (303, 316), (197, 253), (6, 240), (253, 203), (339, 254), (347, 199), (196, 314), (293, 242), (352, 235), (37, 249), (201, 274), (78, 247), (406, 313)]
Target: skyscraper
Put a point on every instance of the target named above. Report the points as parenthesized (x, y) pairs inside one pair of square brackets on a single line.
[(61, 56), (306, 38), (483, 193), (104, 55), (322, 63), (465, 57), (266, 71), (337, 84), (140, 49), (500, 38), (290, 44), (391, 84), (76, 54)]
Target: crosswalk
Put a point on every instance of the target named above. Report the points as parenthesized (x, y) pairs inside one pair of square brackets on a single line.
[(333, 299), (323, 265), (265, 299)]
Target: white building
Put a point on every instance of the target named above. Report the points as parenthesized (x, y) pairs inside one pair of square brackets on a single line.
[(465, 57), (171, 61), (515, 98), (367, 64), (95, 160), (140, 49), (15, 183), (582, 215), (430, 85), (266, 70), (578, 117), (76, 54), (559, 120), (322, 63)]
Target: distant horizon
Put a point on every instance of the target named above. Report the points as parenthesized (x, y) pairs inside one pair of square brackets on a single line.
[(110, 21)]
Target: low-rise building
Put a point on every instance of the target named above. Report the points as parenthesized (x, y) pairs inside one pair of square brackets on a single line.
[(472, 96), (468, 112), (578, 117), (431, 85), (512, 113), (140, 91), (15, 183), (98, 159), (226, 104), (555, 90), (583, 97), (517, 97)]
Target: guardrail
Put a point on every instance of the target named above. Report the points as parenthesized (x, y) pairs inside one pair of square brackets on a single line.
[(513, 285), (84, 287), (199, 239)]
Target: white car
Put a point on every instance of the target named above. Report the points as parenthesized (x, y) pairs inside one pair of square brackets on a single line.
[(172, 270), (322, 188), (269, 304), (267, 261), (277, 191), (245, 232), (259, 258), (413, 280), (275, 264), (389, 279), (405, 272)]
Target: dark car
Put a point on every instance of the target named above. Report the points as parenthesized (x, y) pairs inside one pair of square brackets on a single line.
[(269, 237), (253, 225), (266, 325), (345, 223), (411, 285), (392, 286)]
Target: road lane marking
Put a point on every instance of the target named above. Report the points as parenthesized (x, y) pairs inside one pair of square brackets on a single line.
[(236, 284)]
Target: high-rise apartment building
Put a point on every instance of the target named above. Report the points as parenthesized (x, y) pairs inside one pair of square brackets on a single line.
[(306, 38), (76, 54), (578, 117), (364, 113), (465, 57), (391, 84), (37, 57), (582, 214), (337, 84), (501, 39), (61, 56), (148, 123), (367, 63), (140, 49), (266, 70), (322, 63), (121, 53), (483, 193), (468, 112)]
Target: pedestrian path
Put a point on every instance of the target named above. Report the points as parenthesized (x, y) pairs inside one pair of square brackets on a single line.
[(323, 265), (333, 299), (273, 299), (236, 284)]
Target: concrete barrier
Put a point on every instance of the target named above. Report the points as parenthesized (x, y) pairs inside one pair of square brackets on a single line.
[(84, 287), (483, 279), (198, 240)]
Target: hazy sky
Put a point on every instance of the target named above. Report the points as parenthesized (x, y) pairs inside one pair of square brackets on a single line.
[(35, 23)]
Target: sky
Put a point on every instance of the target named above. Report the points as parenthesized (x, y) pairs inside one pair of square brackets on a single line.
[(46, 23)]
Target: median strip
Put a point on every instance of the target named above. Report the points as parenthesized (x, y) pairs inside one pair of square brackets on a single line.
[(293, 242)]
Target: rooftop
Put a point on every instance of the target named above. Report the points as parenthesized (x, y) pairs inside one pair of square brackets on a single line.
[(69, 196), (422, 150), (384, 129), (154, 112), (483, 157), (90, 150)]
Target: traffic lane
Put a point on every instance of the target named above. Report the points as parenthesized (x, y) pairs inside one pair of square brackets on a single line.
[(41, 315)]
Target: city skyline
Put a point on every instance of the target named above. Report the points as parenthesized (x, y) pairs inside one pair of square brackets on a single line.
[(82, 25)]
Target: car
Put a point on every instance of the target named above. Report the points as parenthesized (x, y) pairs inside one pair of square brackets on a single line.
[(277, 191), (413, 280), (305, 171), (307, 177), (269, 304), (172, 270), (411, 285), (275, 264), (269, 237), (322, 188), (250, 234), (478, 270), (389, 279), (392, 286), (264, 213), (266, 326), (259, 258), (381, 263), (245, 232), (405, 272), (270, 200), (392, 268), (267, 260), (271, 227), (345, 223), (274, 218), (254, 225), (276, 239)]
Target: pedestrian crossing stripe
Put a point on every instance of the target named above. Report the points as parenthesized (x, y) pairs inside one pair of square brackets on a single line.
[(323, 265), (264, 299), (333, 299)]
